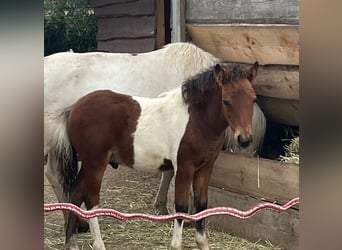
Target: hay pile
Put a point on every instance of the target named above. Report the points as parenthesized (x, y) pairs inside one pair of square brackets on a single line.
[(291, 152)]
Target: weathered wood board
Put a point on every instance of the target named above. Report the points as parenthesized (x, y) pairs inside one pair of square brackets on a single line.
[(281, 229), (278, 81), (280, 110), (131, 8), (125, 27), (133, 26), (247, 43), (246, 11), (278, 181), (127, 45)]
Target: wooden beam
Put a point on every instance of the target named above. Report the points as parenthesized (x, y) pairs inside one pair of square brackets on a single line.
[(247, 11), (280, 110), (281, 229), (247, 43), (160, 24), (178, 21), (237, 173), (278, 81)]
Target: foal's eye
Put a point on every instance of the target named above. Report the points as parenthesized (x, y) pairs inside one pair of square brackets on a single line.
[(225, 103)]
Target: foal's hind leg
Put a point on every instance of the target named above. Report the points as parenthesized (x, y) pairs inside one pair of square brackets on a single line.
[(93, 180), (160, 202), (51, 174)]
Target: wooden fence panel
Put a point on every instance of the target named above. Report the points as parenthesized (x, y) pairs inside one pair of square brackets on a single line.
[(242, 11)]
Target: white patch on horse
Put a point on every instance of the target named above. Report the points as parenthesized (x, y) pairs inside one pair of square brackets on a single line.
[(161, 128)]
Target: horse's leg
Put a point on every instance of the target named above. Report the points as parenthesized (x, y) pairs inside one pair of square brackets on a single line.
[(77, 194), (93, 183), (200, 188), (51, 174), (183, 181), (160, 202)]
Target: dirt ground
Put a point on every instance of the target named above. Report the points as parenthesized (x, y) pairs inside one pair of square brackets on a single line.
[(131, 191)]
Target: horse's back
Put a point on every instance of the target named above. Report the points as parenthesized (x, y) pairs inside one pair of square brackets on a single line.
[(68, 76)]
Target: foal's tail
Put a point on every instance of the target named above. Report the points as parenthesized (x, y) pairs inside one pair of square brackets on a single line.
[(64, 153)]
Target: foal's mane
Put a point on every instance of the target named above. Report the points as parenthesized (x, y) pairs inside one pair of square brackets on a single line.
[(194, 89)]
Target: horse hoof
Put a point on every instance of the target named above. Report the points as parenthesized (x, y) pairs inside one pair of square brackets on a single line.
[(176, 247), (161, 209), (82, 226)]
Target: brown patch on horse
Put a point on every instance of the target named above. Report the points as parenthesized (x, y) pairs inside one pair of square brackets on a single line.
[(105, 120)]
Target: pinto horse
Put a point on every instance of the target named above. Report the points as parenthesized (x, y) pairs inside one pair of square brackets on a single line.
[(69, 76), (184, 127)]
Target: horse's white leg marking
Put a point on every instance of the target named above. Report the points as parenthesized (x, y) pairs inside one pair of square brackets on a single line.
[(176, 241), (201, 241), (161, 197), (72, 245), (95, 233)]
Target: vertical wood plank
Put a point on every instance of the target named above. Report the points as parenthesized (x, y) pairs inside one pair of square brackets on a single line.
[(160, 23), (178, 21)]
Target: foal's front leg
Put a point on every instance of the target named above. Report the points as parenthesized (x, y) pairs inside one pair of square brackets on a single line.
[(200, 188), (183, 182)]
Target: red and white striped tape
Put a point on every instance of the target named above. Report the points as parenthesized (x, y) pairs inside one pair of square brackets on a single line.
[(195, 217)]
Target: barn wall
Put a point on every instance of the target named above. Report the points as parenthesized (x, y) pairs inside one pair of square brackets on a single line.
[(129, 26), (242, 11), (245, 31)]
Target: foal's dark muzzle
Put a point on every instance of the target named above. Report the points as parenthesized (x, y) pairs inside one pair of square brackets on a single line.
[(244, 142)]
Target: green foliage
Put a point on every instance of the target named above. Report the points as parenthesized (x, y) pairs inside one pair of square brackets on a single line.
[(69, 24)]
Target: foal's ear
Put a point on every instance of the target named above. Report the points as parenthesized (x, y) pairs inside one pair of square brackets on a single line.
[(252, 72), (219, 72)]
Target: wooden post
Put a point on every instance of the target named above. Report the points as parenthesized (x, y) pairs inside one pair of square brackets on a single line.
[(178, 21)]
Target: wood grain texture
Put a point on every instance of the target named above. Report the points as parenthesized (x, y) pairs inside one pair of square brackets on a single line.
[(160, 24), (242, 11), (127, 45), (267, 44), (98, 3), (128, 8), (125, 27), (237, 173), (281, 229), (278, 81), (280, 110)]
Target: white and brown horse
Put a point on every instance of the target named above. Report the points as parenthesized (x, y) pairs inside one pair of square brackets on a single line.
[(184, 127), (69, 76)]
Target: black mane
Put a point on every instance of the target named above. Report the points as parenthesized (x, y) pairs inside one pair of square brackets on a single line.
[(194, 89)]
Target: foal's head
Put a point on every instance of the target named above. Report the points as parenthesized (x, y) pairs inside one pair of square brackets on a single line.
[(238, 97)]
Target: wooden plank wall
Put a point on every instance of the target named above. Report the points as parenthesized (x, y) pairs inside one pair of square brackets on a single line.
[(278, 181), (252, 30), (281, 229), (242, 11), (129, 26)]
